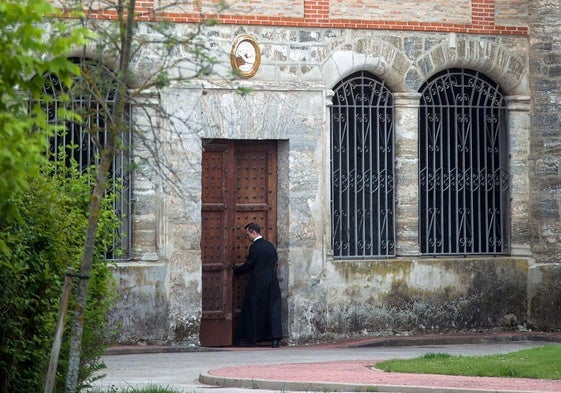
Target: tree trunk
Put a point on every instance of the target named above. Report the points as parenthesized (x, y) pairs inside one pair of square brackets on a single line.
[(117, 126), (77, 330)]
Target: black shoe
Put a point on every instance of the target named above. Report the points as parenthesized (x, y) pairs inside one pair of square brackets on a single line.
[(275, 344)]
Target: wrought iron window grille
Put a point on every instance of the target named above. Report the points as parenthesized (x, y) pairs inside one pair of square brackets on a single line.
[(77, 144), (463, 169), (362, 169)]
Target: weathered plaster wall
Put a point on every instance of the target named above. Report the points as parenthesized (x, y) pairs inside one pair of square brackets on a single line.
[(544, 296), (426, 295), (141, 313)]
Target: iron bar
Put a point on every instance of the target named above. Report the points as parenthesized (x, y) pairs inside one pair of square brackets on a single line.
[(362, 166), (463, 170)]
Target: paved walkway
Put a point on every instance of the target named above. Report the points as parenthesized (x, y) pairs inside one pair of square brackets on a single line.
[(361, 376), (342, 367)]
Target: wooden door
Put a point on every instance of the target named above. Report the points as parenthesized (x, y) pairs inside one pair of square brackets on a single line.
[(239, 185)]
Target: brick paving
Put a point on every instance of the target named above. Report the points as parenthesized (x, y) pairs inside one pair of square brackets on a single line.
[(363, 374)]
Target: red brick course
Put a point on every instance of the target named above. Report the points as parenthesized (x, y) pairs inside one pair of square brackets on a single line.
[(316, 15)]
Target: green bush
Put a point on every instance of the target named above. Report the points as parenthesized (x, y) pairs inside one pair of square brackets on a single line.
[(47, 238)]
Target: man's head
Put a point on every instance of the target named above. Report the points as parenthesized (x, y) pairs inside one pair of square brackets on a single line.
[(252, 230)]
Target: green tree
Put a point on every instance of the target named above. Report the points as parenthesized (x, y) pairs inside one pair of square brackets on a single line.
[(26, 50), (119, 42), (41, 213)]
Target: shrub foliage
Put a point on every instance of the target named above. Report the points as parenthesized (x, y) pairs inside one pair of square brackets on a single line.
[(42, 243)]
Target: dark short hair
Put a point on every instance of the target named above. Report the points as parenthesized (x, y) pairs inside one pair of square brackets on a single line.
[(253, 227)]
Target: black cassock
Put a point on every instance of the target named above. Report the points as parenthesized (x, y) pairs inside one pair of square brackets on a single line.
[(260, 317)]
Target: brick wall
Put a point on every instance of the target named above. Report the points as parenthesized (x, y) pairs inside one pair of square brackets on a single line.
[(460, 16), (511, 12), (403, 10)]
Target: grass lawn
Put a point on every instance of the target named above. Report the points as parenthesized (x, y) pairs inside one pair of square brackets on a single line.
[(541, 362)]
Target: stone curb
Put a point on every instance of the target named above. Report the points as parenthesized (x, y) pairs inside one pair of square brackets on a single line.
[(472, 338), (226, 382), (382, 341), (260, 384)]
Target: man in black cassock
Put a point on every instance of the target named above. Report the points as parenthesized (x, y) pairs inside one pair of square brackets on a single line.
[(260, 318)]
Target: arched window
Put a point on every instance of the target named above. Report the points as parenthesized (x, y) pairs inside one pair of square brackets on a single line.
[(81, 141), (464, 181), (362, 168)]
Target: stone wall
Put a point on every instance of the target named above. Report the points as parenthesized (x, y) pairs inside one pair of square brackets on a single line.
[(545, 159), (545, 85), (290, 103), (308, 46)]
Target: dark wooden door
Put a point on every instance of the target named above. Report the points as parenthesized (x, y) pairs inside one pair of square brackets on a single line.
[(239, 185)]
